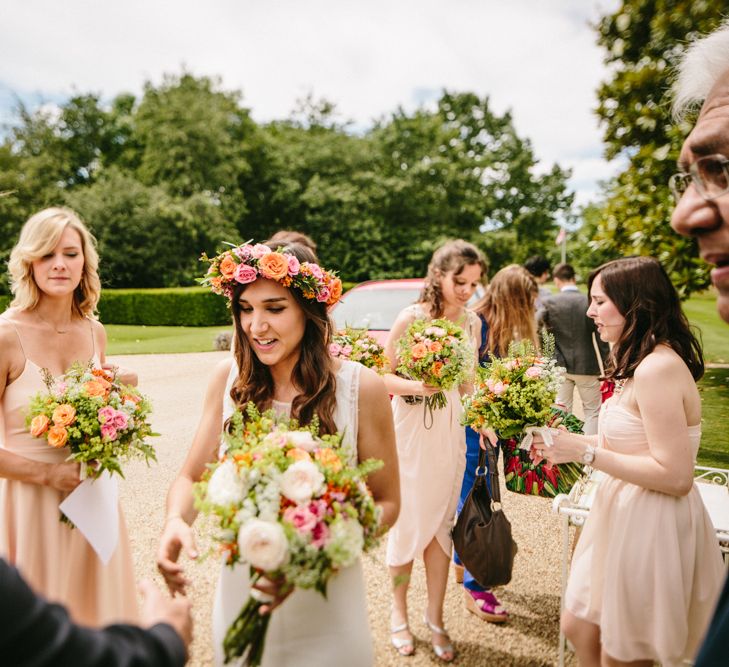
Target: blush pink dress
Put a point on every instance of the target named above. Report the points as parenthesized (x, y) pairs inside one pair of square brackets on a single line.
[(647, 568), (55, 559), (432, 461)]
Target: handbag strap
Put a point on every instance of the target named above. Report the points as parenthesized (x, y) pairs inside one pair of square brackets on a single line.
[(484, 453)]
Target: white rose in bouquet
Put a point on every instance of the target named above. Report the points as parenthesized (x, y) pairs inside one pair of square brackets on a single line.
[(303, 440), (263, 544), (226, 486), (301, 481)]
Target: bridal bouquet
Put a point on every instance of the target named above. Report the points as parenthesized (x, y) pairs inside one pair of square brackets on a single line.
[(101, 421), (438, 353), (515, 395), (288, 504), (358, 345)]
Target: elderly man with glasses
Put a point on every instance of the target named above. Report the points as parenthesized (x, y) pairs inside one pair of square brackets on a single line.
[(702, 186), (701, 189)]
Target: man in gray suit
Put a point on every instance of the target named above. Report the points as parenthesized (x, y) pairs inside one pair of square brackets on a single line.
[(565, 316)]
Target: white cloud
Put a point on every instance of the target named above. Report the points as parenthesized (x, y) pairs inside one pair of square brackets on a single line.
[(537, 58)]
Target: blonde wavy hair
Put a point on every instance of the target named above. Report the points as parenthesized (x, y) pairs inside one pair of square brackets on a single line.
[(38, 237), (508, 308)]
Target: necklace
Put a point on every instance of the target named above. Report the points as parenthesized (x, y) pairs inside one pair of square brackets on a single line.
[(58, 331)]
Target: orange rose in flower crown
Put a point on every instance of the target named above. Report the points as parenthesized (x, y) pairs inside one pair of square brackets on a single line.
[(247, 262)]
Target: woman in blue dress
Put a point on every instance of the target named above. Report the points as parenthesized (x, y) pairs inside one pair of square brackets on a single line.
[(506, 312)]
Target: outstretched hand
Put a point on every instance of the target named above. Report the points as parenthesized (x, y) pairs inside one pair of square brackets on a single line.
[(176, 537), (158, 608)]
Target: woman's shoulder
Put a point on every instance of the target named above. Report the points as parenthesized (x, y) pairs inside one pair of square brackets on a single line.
[(371, 385), (663, 363)]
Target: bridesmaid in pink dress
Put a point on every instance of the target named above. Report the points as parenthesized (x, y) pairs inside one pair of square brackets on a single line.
[(647, 570), (50, 325), (432, 460)]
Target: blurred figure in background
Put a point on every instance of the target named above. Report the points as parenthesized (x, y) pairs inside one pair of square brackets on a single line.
[(565, 316), (539, 267)]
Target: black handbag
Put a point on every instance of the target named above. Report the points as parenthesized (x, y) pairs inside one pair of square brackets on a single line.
[(482, 534)]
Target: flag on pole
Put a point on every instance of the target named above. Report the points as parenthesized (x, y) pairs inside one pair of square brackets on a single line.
[(561, 236)]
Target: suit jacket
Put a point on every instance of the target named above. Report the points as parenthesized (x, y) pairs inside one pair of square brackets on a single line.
[(565, 316), (38, 633)]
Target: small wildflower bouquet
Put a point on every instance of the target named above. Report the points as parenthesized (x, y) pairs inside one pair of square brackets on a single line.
[(289, 505), (438, 353), (358, 345), (513, 394), (100, 421)]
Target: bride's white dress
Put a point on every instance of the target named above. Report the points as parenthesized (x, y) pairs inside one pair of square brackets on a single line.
[(307, 630)]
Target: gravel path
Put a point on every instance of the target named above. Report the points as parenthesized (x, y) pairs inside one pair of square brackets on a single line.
[(176, 383)]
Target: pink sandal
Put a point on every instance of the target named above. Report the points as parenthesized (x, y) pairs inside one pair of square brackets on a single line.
[(486, 606)]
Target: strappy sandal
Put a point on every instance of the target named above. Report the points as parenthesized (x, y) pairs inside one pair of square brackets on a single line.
[(404, 646), (440, 651), (490, 609)]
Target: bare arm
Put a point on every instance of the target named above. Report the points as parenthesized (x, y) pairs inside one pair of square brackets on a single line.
[(61, 476), (396, 385), (376, 440), (124, 375), (181, 513), (659, 389)]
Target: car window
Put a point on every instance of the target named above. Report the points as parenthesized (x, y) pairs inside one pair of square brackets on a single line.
[(373, 309)]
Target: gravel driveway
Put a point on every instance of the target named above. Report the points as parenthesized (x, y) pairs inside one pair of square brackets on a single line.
[(176, 383)]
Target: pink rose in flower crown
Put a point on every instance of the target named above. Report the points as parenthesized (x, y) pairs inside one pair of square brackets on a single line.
[(108, 431), (106, 415), (294, 266), (533, 372), (315, 270), (323, 294), (121, 421), (244, 252), (245, 274), (259, 250)]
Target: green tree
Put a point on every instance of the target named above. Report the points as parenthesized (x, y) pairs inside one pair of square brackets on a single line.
[(147, 238), (642, 41)]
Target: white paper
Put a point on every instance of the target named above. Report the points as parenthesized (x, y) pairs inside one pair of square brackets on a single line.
[(93, 506)]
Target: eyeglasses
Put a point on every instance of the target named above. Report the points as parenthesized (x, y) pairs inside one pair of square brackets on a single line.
[(709, 174)]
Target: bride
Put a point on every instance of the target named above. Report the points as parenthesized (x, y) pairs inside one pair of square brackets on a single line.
[(281, 361)]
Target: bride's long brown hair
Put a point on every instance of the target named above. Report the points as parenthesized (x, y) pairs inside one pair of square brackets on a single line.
[(313, 375)]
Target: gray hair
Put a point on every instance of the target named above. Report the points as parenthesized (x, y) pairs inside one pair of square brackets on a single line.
[(706, 59)]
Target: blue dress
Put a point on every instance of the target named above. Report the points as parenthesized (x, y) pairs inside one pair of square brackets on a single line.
[(472, 451)]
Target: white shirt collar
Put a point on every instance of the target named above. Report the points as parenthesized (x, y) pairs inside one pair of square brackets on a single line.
[(570, 288)]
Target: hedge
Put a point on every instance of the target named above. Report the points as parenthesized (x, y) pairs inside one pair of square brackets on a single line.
[(172, 306)]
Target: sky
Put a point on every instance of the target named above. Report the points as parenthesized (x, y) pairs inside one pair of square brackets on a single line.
[(538, 58)]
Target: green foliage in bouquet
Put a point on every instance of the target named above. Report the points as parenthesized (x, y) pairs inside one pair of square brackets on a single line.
[(515, 391)]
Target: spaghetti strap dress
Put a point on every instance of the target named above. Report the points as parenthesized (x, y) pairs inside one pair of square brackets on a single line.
[(307, 630), (55, 559), (432, 461), (647, 568)]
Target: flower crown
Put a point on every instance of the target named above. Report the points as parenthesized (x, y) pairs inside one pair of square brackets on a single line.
[(246, 263)]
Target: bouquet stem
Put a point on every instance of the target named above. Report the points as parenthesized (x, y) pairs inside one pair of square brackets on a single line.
[(247, 634)]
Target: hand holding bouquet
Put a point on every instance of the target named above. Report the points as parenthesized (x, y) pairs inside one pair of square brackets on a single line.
[(438, 353), (289, 504), (358, 345), (98, 419), (515, 392)]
